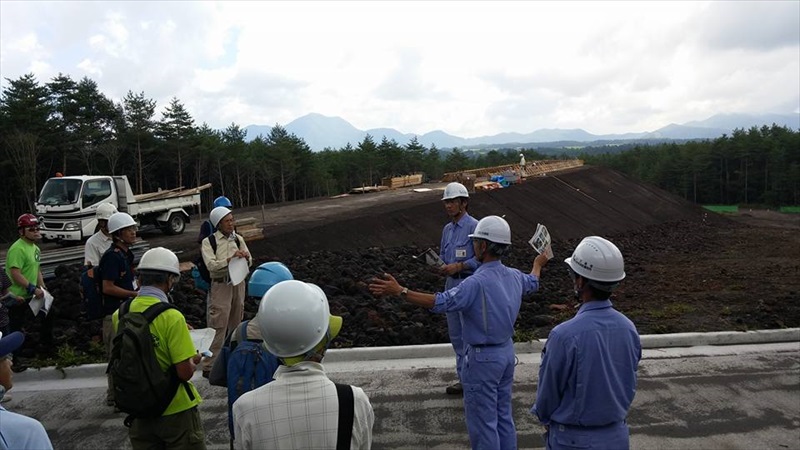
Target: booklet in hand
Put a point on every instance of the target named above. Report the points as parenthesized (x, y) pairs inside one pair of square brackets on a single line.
[(431, 258), (541, 241)]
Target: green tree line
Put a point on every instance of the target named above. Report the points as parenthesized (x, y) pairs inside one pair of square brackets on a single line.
[(759, 166), (71, 127)]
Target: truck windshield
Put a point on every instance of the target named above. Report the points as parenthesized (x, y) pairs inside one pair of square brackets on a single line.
[(60, 191)]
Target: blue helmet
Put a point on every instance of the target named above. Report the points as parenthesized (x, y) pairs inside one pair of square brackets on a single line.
[(223, 201), (265, 276)]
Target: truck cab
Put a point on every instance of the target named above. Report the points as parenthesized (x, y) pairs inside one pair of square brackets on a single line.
[(67, 206)]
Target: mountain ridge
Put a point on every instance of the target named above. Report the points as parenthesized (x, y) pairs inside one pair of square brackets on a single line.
[(321, 132)]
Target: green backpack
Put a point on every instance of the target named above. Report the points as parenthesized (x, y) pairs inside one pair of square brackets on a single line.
[(141, 388)]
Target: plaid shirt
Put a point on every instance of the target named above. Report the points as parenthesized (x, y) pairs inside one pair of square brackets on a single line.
[(300, 409)]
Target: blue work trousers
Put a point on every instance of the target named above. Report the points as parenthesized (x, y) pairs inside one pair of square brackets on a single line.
[(488, 374), (454, 327), (566, 437)]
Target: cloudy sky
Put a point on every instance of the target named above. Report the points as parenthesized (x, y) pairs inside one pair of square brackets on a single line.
[(468, 68)]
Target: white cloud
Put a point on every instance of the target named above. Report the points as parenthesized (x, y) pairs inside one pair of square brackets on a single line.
[(468, 68)]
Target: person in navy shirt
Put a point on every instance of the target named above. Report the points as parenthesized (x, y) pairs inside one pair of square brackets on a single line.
[(459, 258), (489, 303), (587, 378)]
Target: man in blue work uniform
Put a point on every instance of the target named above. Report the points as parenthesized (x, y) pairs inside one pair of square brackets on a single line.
[(489, 303), (459, 258), (116, 274), (587, 378)]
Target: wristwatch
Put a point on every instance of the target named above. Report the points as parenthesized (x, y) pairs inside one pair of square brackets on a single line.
[(404, 292)]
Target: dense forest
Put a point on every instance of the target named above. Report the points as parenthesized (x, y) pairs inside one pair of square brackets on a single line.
[(71, 127)]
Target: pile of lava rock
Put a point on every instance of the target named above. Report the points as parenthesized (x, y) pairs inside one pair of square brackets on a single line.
[(343, 275)]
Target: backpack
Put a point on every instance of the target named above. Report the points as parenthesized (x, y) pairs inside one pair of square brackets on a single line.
[(91, 290), (200, 263), (141, 388), (206, 230), (249, 365)]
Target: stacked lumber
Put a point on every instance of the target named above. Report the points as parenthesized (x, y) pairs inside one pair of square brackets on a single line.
[(171, 193), (402, 181), (248, 229)]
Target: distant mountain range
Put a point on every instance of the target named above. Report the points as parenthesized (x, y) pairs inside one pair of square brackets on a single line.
[(321, 132)]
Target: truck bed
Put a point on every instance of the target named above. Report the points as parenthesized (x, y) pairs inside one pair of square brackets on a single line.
[(165, 200)]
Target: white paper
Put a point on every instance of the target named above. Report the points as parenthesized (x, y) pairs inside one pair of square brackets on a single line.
[(541, 241), (431, 258), (238, 270), (41, 304), (202, 338)]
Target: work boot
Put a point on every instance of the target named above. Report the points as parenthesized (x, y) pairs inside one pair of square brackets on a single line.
[(455, 389)]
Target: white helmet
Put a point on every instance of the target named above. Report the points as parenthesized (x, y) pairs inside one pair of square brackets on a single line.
[(294, 317), (217, 214), (105, 211), (493, 229), (455, 190), (120, 220), (597, 259), (160, 259)]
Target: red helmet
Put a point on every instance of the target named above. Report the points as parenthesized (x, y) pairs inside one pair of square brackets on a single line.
[(27, 220)]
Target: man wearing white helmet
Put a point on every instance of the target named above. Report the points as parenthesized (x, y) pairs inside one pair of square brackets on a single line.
[(302, 408), (459, 258), (101, 241), (489, 303), (225, 301), (179, 426), (587, 378), (116, 275)]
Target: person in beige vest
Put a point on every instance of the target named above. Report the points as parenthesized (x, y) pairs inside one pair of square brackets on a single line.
[(225, 301)]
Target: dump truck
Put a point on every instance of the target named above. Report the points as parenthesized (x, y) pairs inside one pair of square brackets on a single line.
[(67, 205)]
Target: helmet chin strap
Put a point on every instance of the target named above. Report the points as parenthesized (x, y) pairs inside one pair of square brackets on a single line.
[(317, 355)]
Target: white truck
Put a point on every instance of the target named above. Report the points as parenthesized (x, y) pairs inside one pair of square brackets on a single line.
[(66, 206)]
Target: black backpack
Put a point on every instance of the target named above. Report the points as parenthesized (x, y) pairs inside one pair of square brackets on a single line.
[(141, 388), (200, 263)]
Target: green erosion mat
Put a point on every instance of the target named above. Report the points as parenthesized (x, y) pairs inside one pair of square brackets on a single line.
[(722, 208)]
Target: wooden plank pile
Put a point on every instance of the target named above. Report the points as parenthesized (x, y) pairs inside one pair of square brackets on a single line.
[(171, 193), (248, 229), (403, 181)]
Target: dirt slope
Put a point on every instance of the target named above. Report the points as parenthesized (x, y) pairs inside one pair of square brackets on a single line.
[(584, 201)]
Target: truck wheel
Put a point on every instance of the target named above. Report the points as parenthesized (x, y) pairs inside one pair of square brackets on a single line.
[(176, 224)]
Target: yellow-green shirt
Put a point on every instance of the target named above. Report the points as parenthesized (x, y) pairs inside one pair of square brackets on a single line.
[(173, 345), (24, 256)]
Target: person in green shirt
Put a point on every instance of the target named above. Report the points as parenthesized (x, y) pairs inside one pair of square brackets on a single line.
[(23, 268), (179, 427)]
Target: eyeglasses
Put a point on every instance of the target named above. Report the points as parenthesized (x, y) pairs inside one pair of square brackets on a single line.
[(32, 229)]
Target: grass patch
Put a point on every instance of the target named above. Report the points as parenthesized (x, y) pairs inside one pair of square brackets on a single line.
[(524, 336), (672, 311), (68, 356), (722, 208), (790, 209)]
